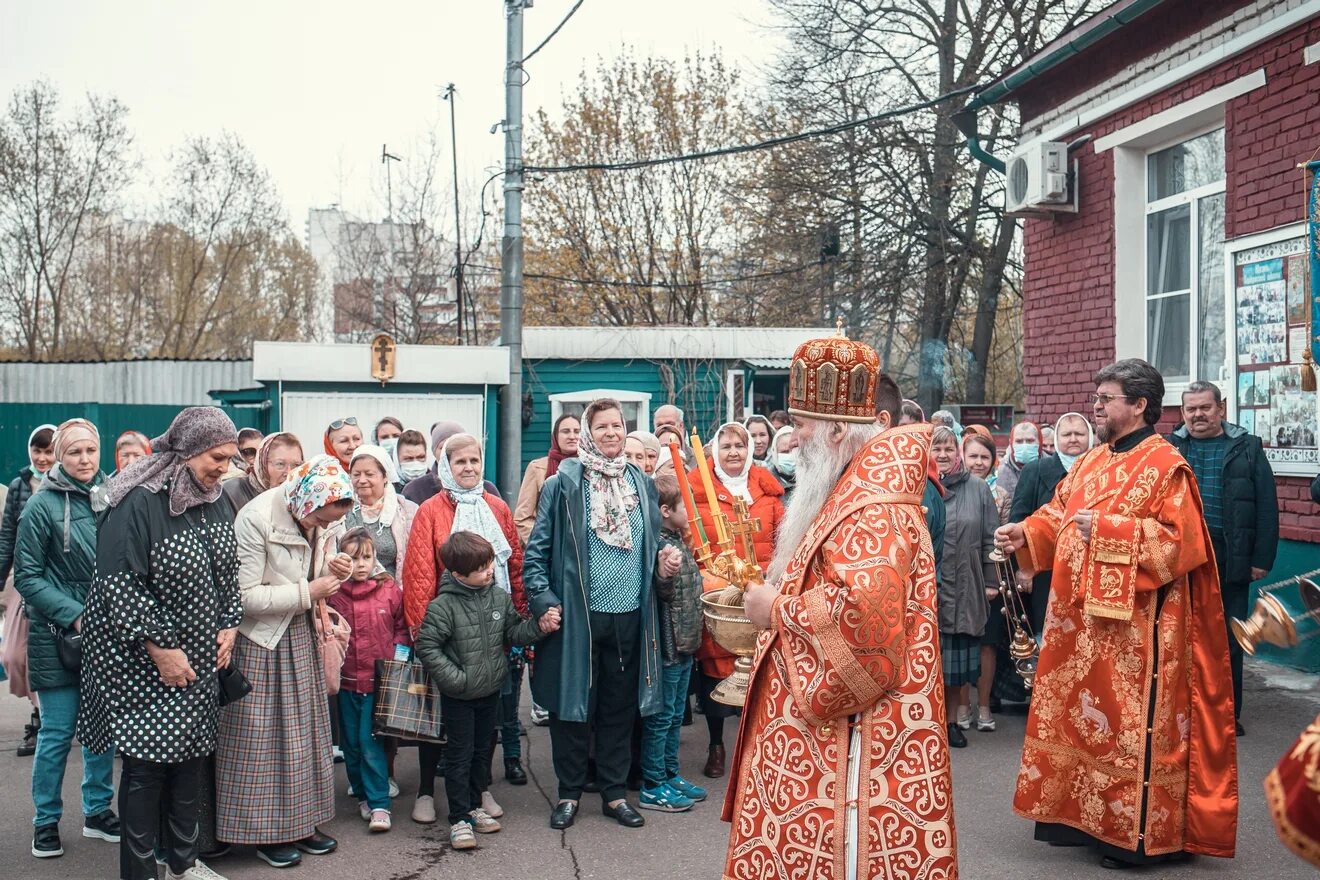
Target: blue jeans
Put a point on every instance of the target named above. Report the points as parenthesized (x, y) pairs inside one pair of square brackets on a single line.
[(59, 719), (660, 731), (364, 756), (510, 728)]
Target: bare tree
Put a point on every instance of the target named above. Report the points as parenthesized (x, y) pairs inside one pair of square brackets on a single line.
[(60, 178)]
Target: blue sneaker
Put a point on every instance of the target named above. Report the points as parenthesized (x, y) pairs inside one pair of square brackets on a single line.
[(664, 798), (694, 793)]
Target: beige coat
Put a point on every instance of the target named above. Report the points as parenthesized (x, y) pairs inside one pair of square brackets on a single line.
[(273, 563), (524, 513)]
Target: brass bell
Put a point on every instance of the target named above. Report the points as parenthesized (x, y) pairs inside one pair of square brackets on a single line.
[(1271, 622)]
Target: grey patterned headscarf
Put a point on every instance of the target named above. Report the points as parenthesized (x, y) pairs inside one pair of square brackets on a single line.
[(193, 431)]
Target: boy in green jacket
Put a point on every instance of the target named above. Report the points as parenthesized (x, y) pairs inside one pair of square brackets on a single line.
[(462, 645)]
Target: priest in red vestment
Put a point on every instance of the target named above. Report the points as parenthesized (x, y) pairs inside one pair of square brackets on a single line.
[(842, 763), (1130, 743), (1293, 792)]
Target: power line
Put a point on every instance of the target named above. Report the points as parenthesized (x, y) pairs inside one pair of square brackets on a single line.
[(760, 145), (659, 285), (541, 45)]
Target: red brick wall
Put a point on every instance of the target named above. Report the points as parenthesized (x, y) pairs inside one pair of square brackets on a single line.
[(1069, 283)]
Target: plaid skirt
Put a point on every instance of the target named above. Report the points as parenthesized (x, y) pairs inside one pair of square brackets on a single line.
[(962, 658), (274, 774)]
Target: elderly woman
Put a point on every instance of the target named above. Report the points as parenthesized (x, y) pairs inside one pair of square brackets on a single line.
[(650, 451), (377, 508), (735, 476), (967, 578), (54, 561), (464, 504), (668, 436), (342, 437), (274, 772), (13, 643), (275, 457), (130, 446), (783, 461), (595, 553), (563, 445), (160, 621)]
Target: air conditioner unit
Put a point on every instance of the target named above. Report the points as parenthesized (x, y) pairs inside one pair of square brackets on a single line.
[(1038, 179)]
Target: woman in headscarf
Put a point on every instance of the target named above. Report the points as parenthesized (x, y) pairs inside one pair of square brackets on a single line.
[(760, 432), (735, 476), (13, 644), (595, 553), (274, 771), (342, 437), (1073, 436), (54, 561), (1023, 449), (276, 456), (462, 505), (161, 619), (650, 451), (967, 580), (783, 461), (563, 445), (130, 446), (667, 436), (378, 508), (421, 489)]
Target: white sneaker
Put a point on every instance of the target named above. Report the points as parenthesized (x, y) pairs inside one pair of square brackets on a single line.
[(364, 811), (199, 871), (337, 754), (482, 822), (488, 805), (424, 810), (394, 788), (984, 720), (351, 793), (461, 836), (965, 717), (380, 821), (540, 717)]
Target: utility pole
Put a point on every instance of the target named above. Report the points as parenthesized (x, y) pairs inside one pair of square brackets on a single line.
[(458, 225), (385, 159), (511, 262)]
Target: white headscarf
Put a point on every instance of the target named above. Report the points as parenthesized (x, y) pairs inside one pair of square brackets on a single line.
[(40, 475), (471, 511), (735, 483), (1069, 460), (390, 503)]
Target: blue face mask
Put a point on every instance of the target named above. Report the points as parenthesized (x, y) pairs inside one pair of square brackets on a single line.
[(1065, 459), (1026, 453), (787, 463)]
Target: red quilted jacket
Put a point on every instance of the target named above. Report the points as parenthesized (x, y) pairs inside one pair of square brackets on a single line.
[(422, 568)]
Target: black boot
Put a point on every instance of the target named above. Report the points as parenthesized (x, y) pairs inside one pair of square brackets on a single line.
[(28, 747), (957, 740), (514, 772)]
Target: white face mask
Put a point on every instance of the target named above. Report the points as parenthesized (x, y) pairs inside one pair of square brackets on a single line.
[(411, 470), (786, 464), (388, 445)]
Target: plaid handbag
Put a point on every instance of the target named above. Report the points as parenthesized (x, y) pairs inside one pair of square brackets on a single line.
[(407, 702)]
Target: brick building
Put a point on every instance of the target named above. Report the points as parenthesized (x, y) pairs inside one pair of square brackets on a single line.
[(1186, 243)]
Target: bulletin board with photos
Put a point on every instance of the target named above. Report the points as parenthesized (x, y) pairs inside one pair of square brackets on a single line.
[(1271, 303)]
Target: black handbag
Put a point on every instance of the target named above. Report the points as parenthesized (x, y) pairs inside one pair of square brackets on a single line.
[(234, 685), (68, 647)]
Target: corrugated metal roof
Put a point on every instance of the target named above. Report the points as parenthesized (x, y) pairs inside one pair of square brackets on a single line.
[(170, 382), (660, 343), (770, 363)]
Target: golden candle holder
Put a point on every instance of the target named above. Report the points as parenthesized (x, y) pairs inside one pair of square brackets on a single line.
[(723, 609), (1272, 623)]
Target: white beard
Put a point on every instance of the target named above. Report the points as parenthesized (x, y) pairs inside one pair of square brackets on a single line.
[(820, 464)]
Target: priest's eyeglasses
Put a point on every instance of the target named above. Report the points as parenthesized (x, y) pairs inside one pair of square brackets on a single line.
[(1106, 399)]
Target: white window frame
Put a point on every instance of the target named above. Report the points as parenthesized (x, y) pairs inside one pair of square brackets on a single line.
[(643, 398), (731, 402)]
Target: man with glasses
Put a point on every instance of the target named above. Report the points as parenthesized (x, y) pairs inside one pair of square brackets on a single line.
[(1130, 745), (1241, 504)]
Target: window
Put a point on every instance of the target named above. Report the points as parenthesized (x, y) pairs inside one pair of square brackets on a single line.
[(636, 405), (1185, 308)]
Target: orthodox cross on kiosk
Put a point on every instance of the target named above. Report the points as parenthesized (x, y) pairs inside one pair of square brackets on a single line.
[(382, 358), (743, 527)]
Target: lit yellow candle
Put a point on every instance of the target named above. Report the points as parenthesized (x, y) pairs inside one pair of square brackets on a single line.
[(721, 536)]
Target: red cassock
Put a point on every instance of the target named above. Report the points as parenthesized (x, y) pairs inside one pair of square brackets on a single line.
[(1293, 792), (1130, 733), (843, 752)]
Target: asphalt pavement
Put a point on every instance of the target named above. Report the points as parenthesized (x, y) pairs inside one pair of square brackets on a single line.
[(993, 843)]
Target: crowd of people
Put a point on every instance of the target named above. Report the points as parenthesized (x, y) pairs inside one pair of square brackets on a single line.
[(181, 612)]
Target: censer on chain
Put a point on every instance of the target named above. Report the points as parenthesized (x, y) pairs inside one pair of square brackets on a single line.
[(1022, 647)]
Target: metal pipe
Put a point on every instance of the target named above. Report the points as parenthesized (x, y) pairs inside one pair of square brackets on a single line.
[(511, 259)]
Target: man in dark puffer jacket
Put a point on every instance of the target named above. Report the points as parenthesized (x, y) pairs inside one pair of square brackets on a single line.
[(1241, 503), (462, 646)]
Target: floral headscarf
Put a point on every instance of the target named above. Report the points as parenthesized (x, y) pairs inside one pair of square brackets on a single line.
[(472, 512), (612, 494), (314, 484)]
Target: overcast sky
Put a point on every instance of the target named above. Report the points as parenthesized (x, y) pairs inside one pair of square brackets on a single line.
[(314, 89)]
